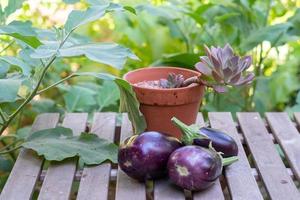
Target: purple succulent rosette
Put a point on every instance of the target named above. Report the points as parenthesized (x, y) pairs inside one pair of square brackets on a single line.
[(226, 68), (172, 81)]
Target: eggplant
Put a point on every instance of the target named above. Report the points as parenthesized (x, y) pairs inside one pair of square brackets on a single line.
[(220, 141), (196, 168), (145, 156)]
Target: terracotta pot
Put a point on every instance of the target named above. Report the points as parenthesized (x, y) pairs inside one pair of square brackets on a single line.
[(160, 105)]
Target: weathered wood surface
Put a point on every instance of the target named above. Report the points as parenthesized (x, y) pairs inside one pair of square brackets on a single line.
[(288, 137), (59, 178), (240, 179), (241, 183), (25, 173), (127, 188), (95, 179), (273, 173)]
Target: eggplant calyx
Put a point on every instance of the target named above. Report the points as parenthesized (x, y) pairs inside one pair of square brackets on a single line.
[(129, 141), (225, 161), (189, 133), (229, 160)]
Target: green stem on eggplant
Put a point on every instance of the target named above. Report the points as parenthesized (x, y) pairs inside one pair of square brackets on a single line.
[(229, 160), (189, 133)]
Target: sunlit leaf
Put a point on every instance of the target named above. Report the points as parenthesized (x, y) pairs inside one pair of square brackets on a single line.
[(12, 6), (107, 53), (9, 90), (77, 17), (22, 31), (57, 144), (275, 34), (94, 12), (4, 67), (17, 62)]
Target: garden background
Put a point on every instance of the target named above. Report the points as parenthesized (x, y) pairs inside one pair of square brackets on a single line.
[(168, 33)]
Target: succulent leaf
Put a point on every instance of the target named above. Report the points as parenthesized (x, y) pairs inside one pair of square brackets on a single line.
[(226, 68), (172, 81)]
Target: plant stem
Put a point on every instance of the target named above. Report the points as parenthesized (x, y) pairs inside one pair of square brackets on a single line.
[(33, 93), (7, 46), (230, 160), (189, 133), (57, 83), (9, 145), (11, 150), (2, 115)]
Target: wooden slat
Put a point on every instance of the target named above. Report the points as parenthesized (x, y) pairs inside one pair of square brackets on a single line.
[(59, 178), (215, 191), (164, 190), (127, 188), (241, 182), (277, 181), (95, 179), (24, 175), (297, 117), (288, 138)]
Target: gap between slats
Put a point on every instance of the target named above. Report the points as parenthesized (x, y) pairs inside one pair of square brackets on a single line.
[(113, 174)]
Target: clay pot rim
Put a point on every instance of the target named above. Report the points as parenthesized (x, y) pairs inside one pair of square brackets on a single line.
[(163, 89)]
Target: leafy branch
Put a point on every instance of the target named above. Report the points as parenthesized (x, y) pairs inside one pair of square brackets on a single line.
[(34, 92)]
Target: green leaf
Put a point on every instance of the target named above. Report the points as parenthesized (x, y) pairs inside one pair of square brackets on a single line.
[(186, 60), (107, 53), (45, 105), (108, 95), (79, 98), (77, 17), (57, 144), (9, 90), (22, 31), (275, 34), (130, 9), (12, 6), (128, 100), (295, 20), (94, 12), (130, 104), (222, 18), (26, 69), (4, 67), (24, 132)]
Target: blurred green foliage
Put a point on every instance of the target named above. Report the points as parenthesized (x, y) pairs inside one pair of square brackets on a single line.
[(173, 33)]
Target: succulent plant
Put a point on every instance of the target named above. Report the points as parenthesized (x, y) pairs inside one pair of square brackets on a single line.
[(226, 68), (172, 81)]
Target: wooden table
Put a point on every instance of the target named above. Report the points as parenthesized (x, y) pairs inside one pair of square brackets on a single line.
[(260, 173)]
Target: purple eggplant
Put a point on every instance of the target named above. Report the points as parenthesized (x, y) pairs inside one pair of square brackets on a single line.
[(145, 156), (196, 168), (221, 141)]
